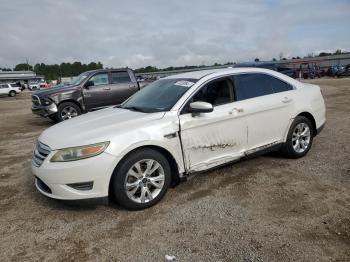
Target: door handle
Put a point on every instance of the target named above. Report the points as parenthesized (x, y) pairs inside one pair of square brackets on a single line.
[(106, 88), (238, 110), (286, 100)]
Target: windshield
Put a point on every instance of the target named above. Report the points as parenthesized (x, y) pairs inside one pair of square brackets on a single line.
[(77, 80), (159, 96)]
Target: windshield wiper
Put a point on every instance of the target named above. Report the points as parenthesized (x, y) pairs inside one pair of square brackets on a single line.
[(134, 108)]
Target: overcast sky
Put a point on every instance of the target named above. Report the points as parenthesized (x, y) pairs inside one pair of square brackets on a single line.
[(168, 33)]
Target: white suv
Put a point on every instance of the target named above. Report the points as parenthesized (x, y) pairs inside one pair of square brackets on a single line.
[(9, 89), (174, 127)]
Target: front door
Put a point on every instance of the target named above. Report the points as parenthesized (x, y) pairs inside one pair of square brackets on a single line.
[(97, 91), (215, 138)]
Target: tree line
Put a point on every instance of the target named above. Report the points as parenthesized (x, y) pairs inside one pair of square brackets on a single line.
[(56, 71), (148, 69), (51, 72)]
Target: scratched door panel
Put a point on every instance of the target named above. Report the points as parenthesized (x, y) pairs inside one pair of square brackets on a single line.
[(214, 138)]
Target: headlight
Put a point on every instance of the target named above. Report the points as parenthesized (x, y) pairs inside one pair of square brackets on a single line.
[(80, 152)]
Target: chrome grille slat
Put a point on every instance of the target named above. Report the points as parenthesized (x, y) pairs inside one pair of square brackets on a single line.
[(40, 153)]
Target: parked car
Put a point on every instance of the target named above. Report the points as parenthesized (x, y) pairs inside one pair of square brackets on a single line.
[(10, 89), (175, 127), (343, 71), (32, 86), (89, 91), (270, 65), (334, 69), (43, 85)]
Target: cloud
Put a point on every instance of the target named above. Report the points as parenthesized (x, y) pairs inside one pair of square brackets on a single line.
[(173, 33)]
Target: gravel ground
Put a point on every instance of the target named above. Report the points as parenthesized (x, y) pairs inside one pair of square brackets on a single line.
[(264, 209)]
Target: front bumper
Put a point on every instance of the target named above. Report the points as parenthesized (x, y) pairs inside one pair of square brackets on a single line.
[(44, 110), (55, 179)]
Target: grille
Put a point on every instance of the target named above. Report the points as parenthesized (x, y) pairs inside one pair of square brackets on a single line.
[(41, 151), (36, 100)]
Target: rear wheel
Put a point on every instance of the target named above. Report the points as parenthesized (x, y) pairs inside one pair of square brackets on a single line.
[(67, 110), (141, 180), (299, 139), (12, 93)]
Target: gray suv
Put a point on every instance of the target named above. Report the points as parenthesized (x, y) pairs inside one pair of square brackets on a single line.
[(89, 91)]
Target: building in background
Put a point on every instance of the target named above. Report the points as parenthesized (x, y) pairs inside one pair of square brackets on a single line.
[(22, 77)]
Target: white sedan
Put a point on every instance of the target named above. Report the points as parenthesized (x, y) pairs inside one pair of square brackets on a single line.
[(175, 127)]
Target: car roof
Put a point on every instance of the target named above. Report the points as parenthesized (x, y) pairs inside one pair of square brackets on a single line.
[(107, 70), (197, 74), (202, 73)]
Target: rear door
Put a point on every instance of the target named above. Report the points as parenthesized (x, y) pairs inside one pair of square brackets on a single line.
[(98, 93), (211, 139), (267, 108), (122, 87)]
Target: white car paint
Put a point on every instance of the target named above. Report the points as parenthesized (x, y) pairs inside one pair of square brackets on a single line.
[(5, 89), (200, 142)]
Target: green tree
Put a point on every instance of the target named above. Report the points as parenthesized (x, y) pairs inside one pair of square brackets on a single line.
[(23, 67)]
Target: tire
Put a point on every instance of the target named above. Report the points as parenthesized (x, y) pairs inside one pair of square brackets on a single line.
[(67, 110), (126, 173), (298, 145), (12, 94)]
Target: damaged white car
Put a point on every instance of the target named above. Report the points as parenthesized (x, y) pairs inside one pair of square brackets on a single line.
[(175, 127)]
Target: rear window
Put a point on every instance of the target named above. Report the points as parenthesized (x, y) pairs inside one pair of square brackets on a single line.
[(120, 77), (251, 85), (278, 85), (254, 85)]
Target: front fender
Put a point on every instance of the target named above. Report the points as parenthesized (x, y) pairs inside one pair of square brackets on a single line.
[(157, 136)]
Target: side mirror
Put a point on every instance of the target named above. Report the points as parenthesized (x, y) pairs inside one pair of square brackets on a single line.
[(200, 107), (88, 84)]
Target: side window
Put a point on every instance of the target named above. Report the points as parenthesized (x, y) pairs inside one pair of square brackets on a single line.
[(251, 85), (216, 93), (120, 77), (278, 85), (3, 86), (100, 79)]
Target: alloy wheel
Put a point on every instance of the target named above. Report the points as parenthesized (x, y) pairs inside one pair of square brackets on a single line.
[(301, 137), (68, 112), (144, 181)]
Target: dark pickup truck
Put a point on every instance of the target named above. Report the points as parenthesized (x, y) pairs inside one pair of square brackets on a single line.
[(89, 91)]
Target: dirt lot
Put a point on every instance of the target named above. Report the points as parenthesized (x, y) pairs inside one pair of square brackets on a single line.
[(264, 209)]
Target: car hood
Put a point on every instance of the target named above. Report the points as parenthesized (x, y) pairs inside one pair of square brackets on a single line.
[(53, 90), (95, 127)]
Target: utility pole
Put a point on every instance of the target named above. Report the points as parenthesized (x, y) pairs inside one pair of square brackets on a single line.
[(27, 64)]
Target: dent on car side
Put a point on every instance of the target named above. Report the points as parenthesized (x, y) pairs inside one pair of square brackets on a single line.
[(172, 131)]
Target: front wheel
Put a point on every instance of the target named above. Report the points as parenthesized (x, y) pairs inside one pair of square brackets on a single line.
[(12, 93), (299, 139), (141, 180), (67, 110)]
